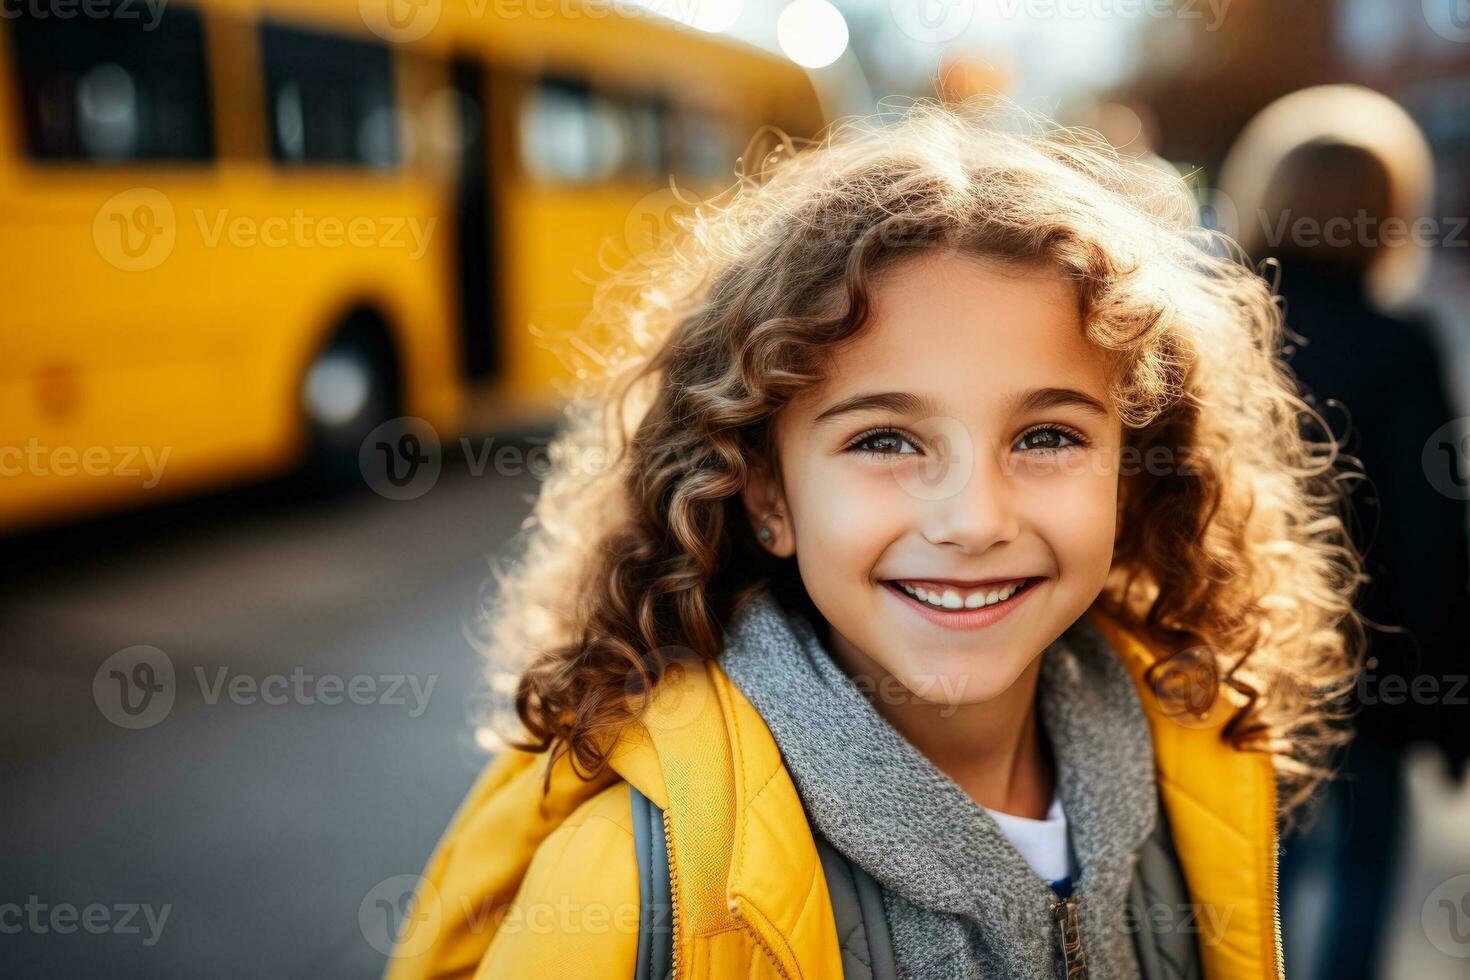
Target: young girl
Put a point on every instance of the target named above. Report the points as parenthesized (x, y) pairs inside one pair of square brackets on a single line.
[(942, 571)]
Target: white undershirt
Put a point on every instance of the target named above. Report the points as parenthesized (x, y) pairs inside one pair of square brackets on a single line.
[(1043, 843)]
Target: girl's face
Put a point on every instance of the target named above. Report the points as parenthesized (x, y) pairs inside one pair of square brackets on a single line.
[(964, 443)]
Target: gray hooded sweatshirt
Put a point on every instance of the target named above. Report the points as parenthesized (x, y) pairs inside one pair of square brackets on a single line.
[(960, 901)]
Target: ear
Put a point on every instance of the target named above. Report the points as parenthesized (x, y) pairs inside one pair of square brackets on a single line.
[(765, 505)]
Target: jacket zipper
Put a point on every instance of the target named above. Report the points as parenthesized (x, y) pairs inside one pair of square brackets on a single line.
[(760, 940), (673, 897), (674, 911), (1272, 874), (1276, 914), (1064, 915)]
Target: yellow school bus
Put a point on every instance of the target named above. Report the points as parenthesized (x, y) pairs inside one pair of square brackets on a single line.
[(239, 234)]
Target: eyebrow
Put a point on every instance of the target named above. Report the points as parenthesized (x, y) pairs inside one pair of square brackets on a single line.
[(898, 402), (907, 403), (1040, 399)]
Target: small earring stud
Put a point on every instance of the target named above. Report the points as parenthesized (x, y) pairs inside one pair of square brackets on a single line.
[(766, 533)]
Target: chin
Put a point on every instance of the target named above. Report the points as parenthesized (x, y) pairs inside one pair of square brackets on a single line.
[(960, 686)]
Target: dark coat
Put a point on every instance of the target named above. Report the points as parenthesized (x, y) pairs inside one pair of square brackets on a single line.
[(1387, 373)]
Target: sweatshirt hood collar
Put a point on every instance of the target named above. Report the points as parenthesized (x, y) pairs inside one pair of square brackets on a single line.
[(908, 824)]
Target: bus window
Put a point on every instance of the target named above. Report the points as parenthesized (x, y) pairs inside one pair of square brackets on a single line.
[(704, 146), (647, 124), (329, 99), (113, 89), (570, 134)]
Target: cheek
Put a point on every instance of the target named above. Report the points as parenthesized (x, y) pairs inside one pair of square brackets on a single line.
[(848, 516), (1077, 513), (849, 510)]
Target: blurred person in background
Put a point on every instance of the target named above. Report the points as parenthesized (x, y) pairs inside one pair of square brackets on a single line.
[(1329, 183)]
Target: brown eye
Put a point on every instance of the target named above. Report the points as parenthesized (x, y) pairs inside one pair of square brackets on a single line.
[(1051, 438), (881, 442)]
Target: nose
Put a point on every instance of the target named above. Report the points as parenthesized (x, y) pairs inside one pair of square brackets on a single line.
[(980, 510)]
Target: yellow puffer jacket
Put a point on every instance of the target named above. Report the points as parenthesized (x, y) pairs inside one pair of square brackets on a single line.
[(526, 886)]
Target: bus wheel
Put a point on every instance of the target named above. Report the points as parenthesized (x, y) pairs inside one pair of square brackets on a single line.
[(349, 389)]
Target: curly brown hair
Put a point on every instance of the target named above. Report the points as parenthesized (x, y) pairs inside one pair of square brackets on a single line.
[(639, 542)]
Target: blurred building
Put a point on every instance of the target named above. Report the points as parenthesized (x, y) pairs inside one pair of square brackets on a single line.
[(1204, 85)]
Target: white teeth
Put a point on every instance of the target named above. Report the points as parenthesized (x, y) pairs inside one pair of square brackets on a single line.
[(951, 599)]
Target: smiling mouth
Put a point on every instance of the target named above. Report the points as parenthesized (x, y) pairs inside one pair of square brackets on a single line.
[(956, 607), (953, 598)]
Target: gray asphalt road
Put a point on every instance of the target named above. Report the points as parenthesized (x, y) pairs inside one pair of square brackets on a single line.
[(239, 830)]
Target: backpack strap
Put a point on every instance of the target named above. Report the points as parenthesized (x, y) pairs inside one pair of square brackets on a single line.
[(655, 890), (857, 904), (857, 908), (1158, 881)]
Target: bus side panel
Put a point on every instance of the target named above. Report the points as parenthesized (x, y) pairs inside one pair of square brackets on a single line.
[(171, 316)]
